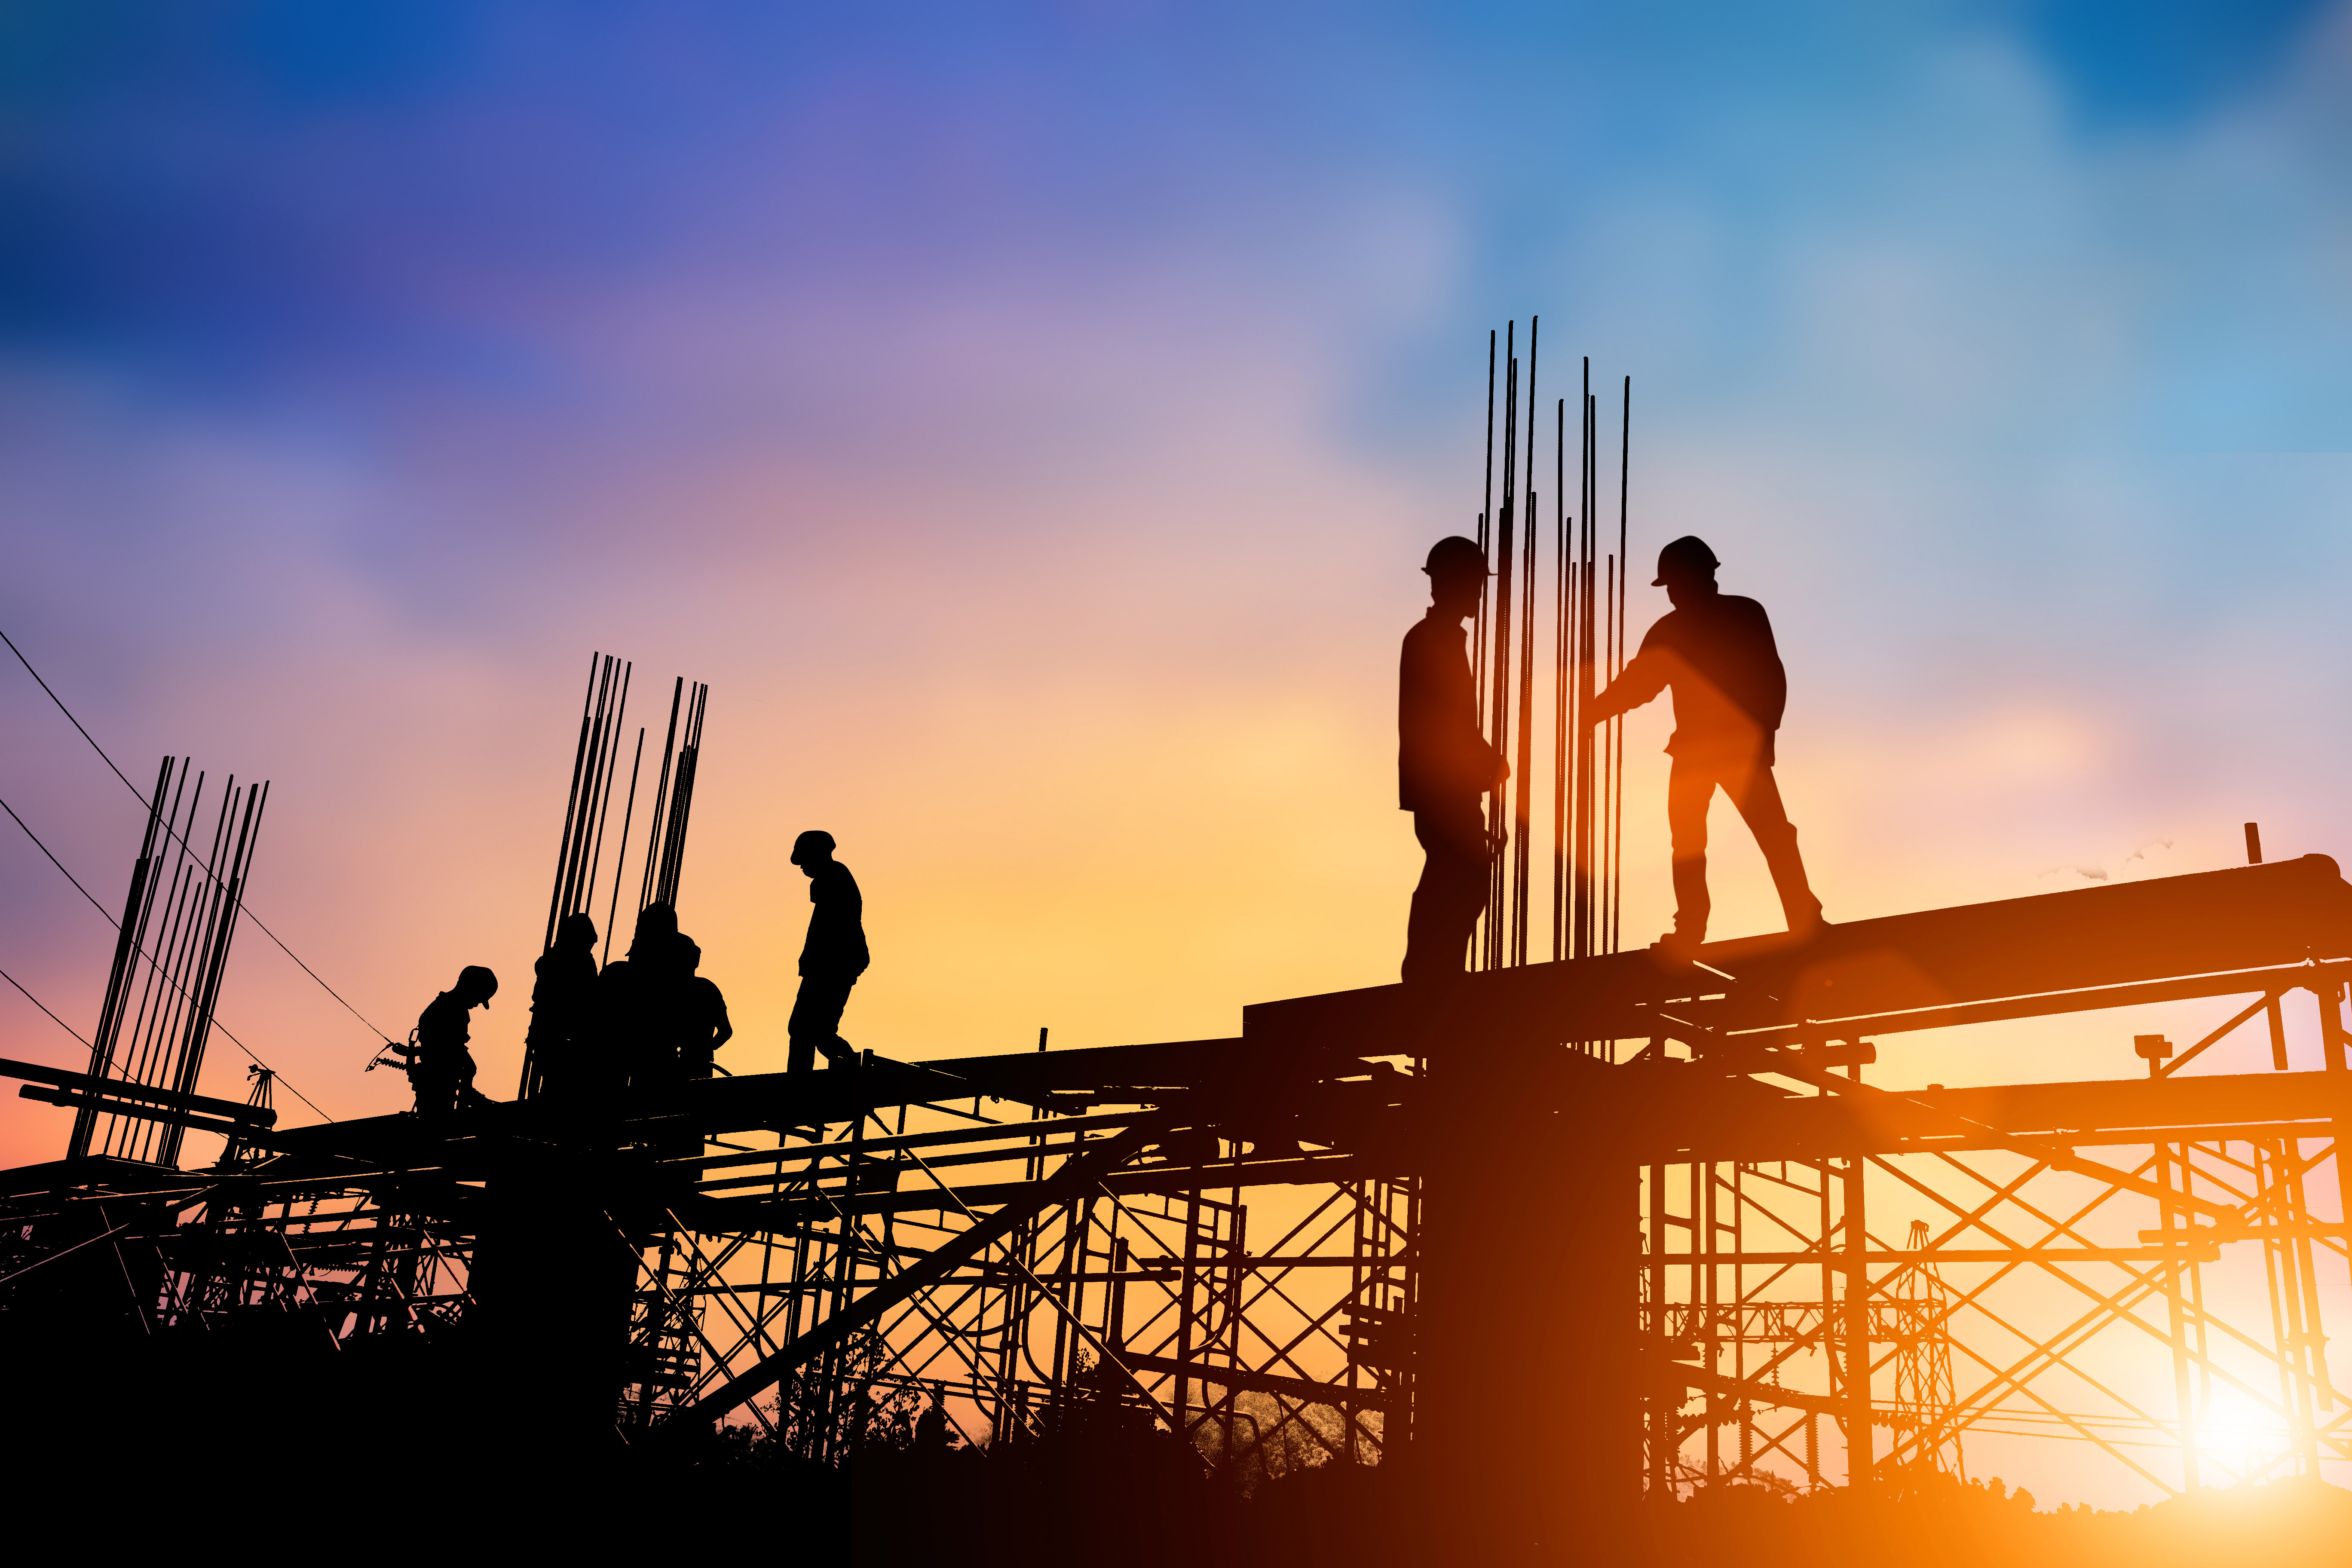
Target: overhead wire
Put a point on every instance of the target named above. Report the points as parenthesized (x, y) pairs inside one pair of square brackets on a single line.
[(43, 1007), (55, 861), (142, 798), (109, 919)]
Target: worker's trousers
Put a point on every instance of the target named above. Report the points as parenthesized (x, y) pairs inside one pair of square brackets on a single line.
[(816, 1023), (1748, 779), (1452, 892), (444, 1082)]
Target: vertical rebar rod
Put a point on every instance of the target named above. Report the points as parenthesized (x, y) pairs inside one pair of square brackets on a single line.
[(1581, 854), (1604, 776), (604, 798), (1498, 711), (1560, 727), (1616, 738), (576, 851), (1485, 521), (621, 863), (661, 799), (570, 805), (126, 949)]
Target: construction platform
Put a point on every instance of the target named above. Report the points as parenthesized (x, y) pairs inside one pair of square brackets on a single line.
[(1536, 1231)]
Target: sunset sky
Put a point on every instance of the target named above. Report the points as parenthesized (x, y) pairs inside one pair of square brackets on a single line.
[(1029, 421)]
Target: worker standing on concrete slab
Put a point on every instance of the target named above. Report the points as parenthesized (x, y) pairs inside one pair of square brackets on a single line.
[(1716, 650), (565, 983), (440, 1067), (702, 1025), (1445, 766), (634, 998), (832, 958)]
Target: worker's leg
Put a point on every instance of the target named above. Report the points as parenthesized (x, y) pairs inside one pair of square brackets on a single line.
[(1690, 788), (466, 1095), (801, 1029), (838, 1052), (816, 1022), (1452, 892), (1757, 793), (437, 1089)]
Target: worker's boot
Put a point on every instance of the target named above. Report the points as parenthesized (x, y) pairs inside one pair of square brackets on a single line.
[(1805, 921), (1799, 907), (1692, 908)]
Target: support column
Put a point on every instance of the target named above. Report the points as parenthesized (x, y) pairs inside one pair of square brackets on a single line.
[(1860, 1437), (2184, 1405), (1528, 1426)]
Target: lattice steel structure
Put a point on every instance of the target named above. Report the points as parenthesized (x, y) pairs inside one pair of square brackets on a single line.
[(1563, 1273)]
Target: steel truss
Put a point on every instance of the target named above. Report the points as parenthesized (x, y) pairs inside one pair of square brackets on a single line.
[(1155, 1296), (2023, 1301), (1288, 1238)]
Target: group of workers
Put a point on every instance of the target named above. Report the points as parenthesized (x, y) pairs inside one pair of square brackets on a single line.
[(648, 1021), (1714, 650)]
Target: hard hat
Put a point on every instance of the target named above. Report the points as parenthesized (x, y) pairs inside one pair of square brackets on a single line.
[(815, 841), (476, 979), (1685, 557), (1455, 554)]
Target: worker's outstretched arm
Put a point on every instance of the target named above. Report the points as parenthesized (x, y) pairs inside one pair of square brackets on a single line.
[(1637, 683)]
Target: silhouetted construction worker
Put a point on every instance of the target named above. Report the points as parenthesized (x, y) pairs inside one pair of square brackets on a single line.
[(633, 997), (832, 958), (1716, 650), (1445, 766), (440, 1067), (562, 1001), (702, 1025)]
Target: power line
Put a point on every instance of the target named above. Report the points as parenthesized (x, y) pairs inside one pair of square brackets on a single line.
[(168, 979), (58, 864), (142, 800), (109, 919), (69, 1029), (233, 1040), (60, 1023)]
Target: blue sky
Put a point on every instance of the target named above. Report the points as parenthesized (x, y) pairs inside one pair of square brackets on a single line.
[(1028, 419)]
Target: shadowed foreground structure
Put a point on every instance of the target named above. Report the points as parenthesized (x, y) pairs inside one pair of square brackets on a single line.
[(1502, 1296)]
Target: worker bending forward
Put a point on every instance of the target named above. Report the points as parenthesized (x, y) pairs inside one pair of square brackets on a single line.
[(832, 958), (1716, 650), (440, 1067), (1445, 766)]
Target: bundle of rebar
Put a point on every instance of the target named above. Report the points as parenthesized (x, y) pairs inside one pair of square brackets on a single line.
[(1585, 638), (674, 798), (158, 1012), (595, 768), (595, 762)]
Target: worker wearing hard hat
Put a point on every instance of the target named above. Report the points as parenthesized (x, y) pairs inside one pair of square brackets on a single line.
[(440, 1067), (1716, 650), (1445, 767), (832, 957)]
